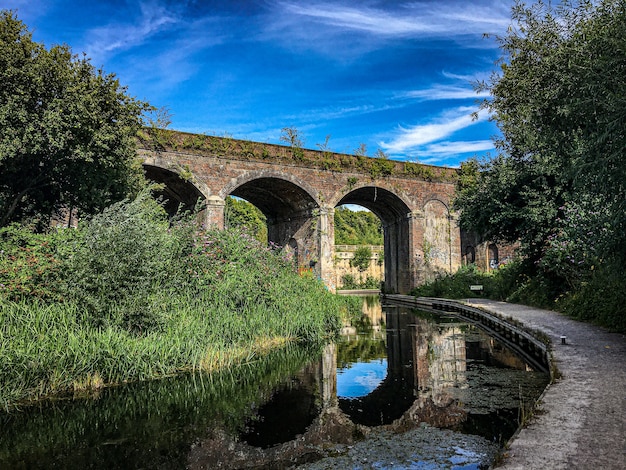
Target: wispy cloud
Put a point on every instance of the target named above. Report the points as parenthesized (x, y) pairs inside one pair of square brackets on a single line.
[(459, 147), (153, 18), (415, 137), (445, 92), (409, 19)]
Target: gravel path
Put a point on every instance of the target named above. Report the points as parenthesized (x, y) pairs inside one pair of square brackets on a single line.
[(581, 421)]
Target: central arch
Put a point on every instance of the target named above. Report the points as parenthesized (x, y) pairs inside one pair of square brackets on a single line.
[(291, 213), (395, 216)]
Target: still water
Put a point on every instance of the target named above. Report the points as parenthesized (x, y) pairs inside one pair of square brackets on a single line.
[(400, 389)]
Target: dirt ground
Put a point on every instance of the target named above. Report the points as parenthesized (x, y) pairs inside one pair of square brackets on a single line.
[(581, 419)]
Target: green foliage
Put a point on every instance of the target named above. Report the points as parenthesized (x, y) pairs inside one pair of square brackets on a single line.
[(123, 260), (130, 296), (244, 216), (357, 227), (371, 283), (352, 180), (348, 282), (381, 166), (455, 286), (67, 130), (600, 298), (559, 186), (362, 258), (558, 100), (30, 263), (420, 171)]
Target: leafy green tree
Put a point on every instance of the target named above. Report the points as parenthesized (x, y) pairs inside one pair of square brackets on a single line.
[(362, 258), (246, 216), (357, 227), (67, 130), (559, 99)]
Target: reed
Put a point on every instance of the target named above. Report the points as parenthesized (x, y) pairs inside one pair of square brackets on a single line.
[(192, 302)]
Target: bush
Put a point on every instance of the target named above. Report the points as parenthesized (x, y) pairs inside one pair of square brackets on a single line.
[(31, 263), (135, 297), (600, 299), (121, 262), (371, 283), (348, 282)]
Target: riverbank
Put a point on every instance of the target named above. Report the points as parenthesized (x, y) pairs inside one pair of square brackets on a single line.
[(131, 296), (580, 422)]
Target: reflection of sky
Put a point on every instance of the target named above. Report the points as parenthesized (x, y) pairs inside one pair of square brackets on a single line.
[(360, 378)]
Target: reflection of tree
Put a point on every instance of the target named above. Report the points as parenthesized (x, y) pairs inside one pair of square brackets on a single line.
[(362, 349)]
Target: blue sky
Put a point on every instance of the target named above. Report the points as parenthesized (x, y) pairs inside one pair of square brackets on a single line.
[(393, 75)]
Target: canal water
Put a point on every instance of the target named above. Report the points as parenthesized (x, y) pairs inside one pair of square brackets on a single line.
[(399, 389)]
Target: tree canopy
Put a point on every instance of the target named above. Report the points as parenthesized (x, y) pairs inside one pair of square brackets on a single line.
[(67, 130), (559, 99), (357, 227), (245, 216)]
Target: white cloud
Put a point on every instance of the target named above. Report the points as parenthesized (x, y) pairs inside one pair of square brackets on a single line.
[(432, 18), (106, 40), (445, 92), (459, 147), (441, 127)]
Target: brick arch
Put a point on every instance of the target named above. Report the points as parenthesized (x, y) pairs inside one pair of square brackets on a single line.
[(250, 177), (394, 212), (178, 193), (385, 202), (432, 198), (291, 209)]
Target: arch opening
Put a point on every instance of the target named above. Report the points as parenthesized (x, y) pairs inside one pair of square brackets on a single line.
[(290, 214), (359, 248), (395, 218), (178, 195)]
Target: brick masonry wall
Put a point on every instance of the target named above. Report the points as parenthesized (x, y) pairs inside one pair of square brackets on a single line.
[(299, 200)]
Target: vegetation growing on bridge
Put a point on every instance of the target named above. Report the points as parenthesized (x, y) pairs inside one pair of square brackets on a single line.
[(559, 185), (128, 296), (380, 166)]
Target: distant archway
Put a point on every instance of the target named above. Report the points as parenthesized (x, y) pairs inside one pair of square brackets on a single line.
[(492, 255), (394, 214)]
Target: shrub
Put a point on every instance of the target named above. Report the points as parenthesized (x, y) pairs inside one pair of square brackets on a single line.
[(348, 282), (123, 258), (31, 263)]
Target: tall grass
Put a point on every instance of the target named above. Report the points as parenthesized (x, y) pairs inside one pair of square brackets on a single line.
[(135, 298)]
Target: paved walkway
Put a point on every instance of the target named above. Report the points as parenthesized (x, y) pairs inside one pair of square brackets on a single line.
[(581, 422)]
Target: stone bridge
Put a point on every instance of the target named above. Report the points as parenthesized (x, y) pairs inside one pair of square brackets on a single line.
[(298, 189)]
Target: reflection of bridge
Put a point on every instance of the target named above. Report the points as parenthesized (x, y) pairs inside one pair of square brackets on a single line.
[(298, 190)]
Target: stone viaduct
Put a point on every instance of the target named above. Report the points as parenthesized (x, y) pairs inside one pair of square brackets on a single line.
[(298, 190)]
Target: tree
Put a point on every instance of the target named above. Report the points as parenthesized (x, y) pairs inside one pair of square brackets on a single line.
[(67, 130), (362, 258), (357, 227), (559, 99), (245, 216)]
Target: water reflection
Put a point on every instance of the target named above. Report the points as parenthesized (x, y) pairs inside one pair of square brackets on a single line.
[(393, 371)]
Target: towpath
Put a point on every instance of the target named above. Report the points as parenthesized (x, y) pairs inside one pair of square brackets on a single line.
[(581, 420)]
